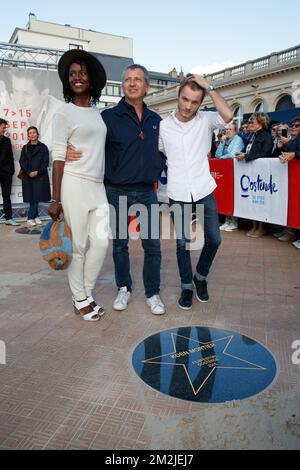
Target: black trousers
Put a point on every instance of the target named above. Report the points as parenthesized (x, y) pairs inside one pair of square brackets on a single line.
[(5, 183)]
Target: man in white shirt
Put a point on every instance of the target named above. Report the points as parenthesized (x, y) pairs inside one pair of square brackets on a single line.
[(185, 139)]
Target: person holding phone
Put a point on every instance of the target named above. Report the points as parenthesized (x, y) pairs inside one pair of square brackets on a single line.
[(288, 147), (283, 139)]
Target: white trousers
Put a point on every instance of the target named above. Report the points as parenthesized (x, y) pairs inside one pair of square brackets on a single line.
[(86, 210)]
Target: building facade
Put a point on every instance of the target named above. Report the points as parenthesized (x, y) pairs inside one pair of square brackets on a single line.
[(114, 52), (267, 84)]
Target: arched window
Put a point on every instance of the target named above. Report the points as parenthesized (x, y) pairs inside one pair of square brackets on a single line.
[(285, 103), (260, 107), (238, 115)]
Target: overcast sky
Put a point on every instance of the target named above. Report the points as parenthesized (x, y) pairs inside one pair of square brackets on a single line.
[(202, 36)]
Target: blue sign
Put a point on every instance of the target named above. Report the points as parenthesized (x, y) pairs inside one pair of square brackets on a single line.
[(204, 365)]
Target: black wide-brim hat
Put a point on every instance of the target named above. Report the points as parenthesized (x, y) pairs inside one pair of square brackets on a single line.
[(73, 55)]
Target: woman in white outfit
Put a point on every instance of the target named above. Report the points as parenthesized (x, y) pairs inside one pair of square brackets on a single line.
[(78, 188)]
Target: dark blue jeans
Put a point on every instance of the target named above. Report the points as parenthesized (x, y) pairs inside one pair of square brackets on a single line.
[(121, 200), (212, 239), (33, 211)]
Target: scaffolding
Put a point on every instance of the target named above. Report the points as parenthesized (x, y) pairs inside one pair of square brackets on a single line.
[(16, 55)]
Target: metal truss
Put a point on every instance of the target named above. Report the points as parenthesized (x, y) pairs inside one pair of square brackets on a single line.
[(27, 56)]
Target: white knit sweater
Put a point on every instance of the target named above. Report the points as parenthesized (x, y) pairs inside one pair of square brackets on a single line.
[(84, 128)]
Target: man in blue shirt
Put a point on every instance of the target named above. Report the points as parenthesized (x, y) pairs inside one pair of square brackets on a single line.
[(133, 163)]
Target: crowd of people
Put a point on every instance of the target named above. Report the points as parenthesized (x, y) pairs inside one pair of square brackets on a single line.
[(111, 160), (258, 138)]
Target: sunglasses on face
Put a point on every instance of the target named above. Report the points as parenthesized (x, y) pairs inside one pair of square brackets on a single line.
[(295, 125)]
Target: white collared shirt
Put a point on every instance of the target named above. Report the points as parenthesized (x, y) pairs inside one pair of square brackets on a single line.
[(186, 146)]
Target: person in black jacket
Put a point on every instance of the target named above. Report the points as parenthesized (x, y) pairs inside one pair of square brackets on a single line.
[(34, 162), (7, 169), (259, 146), (288, 148)]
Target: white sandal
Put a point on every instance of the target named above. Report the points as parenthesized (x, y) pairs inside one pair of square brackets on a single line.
[(91, 316), (95, 306)]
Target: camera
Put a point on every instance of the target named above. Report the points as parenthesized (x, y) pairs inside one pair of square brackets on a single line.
[(284, 133)]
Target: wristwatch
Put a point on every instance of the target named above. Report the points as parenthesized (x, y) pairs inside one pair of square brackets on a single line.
[(210, 88)]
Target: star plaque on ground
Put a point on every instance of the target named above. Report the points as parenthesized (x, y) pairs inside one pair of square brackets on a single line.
[(204, 364)]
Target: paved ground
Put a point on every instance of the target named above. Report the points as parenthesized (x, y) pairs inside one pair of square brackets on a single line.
[(69, 384)]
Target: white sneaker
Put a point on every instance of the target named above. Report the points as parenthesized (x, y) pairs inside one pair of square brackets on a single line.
[(287, 237), (279, 234), (230, 227), (31, 223), (224, 226), (296, 244), (156, 305), (12, 222), (38, 221), (122, 299)]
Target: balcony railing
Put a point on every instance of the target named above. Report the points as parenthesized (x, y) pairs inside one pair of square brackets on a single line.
[(273, 61), (261, 64), (218, 76), (238, 70), (289, 55)]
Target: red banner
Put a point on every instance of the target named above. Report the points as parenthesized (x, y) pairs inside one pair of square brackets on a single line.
[(294, 194), (222, 171)]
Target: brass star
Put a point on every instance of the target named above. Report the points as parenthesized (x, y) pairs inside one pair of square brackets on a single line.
[(211, 363)]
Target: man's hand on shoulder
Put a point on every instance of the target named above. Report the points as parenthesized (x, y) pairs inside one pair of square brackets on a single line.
[(73, 154)]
